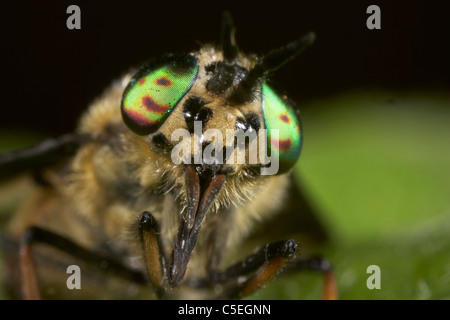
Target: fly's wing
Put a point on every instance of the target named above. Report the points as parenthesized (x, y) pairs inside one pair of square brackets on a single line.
[(45, 154), (298, 219)]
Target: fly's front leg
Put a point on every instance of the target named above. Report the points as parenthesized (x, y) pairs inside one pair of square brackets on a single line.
[(276, 255), (27, 265), (265, 264), (266, 261), (149, 232)]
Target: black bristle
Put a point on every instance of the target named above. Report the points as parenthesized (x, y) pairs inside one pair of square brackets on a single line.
[(278, 57)]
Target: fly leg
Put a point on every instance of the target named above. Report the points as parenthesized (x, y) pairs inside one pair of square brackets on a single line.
[(268, 260), (256, 270), (27, 265), (28, 273), (149, 232), (276, 255), (264, 263)]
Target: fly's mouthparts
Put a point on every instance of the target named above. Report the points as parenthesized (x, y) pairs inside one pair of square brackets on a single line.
[(200, 195)]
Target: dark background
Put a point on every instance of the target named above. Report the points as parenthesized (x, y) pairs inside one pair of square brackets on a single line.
[(50, 74)]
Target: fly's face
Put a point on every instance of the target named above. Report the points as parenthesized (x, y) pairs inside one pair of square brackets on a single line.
[(216, 125)]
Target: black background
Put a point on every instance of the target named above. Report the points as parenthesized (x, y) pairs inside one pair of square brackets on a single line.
[(50, 74)]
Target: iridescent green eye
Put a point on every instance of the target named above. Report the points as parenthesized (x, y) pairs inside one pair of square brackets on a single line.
[(155, 90), (280, 116)]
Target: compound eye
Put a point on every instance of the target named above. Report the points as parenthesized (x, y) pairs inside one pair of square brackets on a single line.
[(155, 90), (280, 116)]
